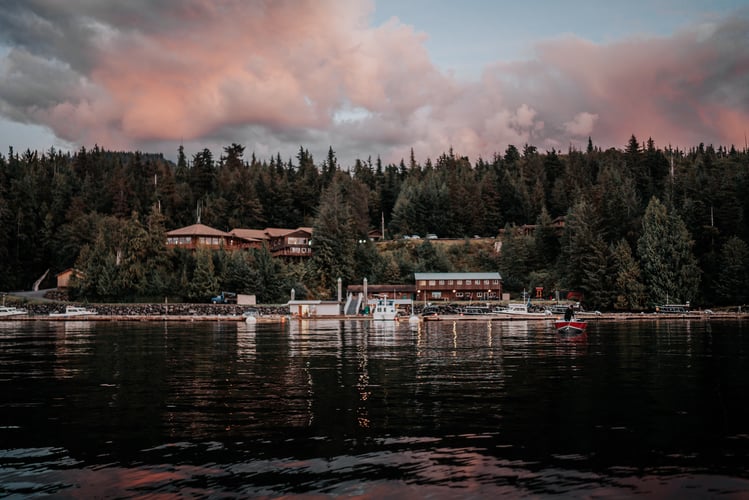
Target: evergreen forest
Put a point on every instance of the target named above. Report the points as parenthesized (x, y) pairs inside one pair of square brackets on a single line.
[(642, 225)]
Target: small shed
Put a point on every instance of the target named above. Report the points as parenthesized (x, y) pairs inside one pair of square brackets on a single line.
[(64, 277), (314, 308)]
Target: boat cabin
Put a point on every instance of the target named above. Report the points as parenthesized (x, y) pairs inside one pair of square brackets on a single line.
[(673, 309)]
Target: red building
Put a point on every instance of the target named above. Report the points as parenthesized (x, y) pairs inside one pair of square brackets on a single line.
[(458, 286)]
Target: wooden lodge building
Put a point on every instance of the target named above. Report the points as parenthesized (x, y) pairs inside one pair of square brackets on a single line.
[(432, 287), (286, 243)]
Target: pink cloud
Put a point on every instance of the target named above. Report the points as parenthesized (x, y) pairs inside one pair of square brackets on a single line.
[(661, 88), (273, 74), (581, 125)]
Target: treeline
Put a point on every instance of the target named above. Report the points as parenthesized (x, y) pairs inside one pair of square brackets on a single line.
[(642, 225)]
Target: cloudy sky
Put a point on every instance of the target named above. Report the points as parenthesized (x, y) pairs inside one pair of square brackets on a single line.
[(371, 77)]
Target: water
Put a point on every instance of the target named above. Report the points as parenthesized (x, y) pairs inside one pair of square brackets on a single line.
[(346, 408)]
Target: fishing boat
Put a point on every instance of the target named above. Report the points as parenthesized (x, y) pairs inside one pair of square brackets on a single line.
[(11, 311), (73, 312), (572, 326), (385, 310)]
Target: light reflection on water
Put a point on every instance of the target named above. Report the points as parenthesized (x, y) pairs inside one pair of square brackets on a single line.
[(441, 409)]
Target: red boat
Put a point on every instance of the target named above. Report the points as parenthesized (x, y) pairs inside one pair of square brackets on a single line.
[(573, 326)]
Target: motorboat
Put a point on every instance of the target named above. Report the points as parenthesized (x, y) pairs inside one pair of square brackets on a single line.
[(385, 310), (474, 310), (673, 309), (520, 309), (11, 311), (572, 326), (73, 312), (251, 315)]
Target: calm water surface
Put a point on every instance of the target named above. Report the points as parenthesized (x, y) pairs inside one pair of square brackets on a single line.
[(347, 408)]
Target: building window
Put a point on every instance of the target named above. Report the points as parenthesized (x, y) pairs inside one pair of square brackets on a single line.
[(431, 282), (422, 283), (449, 282), (460, 282), (442, 282), (468, 282)]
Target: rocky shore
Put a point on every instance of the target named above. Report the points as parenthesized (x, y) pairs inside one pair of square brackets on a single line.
[(138, 311)]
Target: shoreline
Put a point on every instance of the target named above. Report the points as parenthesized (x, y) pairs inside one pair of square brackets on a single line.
[(276, 318)]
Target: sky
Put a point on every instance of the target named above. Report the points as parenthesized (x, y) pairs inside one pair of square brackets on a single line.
[(371, 78)]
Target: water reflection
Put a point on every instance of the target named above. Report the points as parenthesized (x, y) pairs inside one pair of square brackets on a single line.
[(355, 408)]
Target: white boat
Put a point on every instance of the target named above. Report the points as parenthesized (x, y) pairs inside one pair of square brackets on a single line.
[(475, 310), (11, 311), (520, 309), (673, 309), (73, 312), (385, 310), (251, 315)]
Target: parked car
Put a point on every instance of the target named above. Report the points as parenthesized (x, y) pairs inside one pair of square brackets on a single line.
[(432, 236)]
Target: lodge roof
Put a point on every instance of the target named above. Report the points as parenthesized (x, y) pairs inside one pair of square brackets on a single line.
[(197, 230), (277, 232), (250, 234), (457, 276)]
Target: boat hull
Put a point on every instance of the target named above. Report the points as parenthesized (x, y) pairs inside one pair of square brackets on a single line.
[(71, 315), (385, 316), (73, 312), (570, 327), (12, 312)]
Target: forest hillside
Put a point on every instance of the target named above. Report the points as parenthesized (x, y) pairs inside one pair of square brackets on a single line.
[(630, 227)]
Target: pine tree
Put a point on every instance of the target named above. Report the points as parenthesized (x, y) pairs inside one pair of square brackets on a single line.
[(491, 216), (627, 289), (734, 272), (204, 283), (334, 239), (516, 257), (271, 283), (547, 244), (583, 255), (669, 268), (619, 204)]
